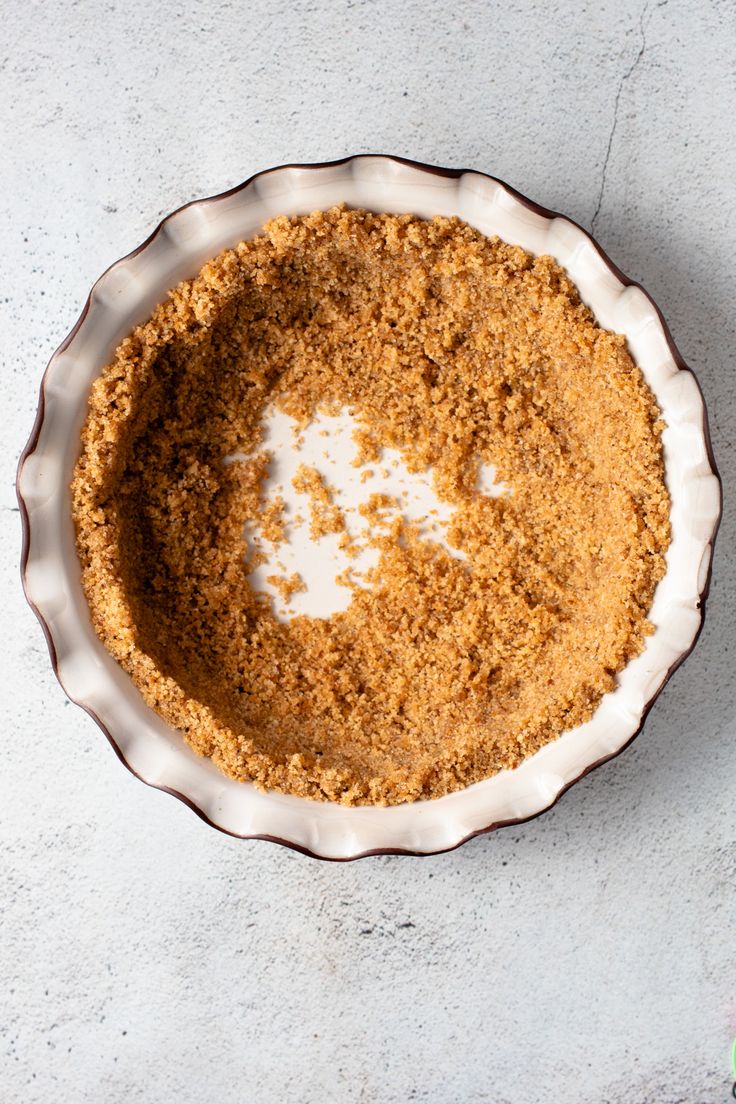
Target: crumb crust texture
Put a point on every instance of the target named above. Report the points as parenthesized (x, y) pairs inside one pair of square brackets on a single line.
[(457, 350)]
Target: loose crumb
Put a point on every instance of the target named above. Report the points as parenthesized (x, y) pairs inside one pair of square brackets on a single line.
[(454, 349), (348, 545), (271, 520), (369, 449), (375, 509), (325, 517), (294, 584)]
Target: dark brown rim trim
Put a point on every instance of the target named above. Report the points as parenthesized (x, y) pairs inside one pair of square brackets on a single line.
[(436, 171)]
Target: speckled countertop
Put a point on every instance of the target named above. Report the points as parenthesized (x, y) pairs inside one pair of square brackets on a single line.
[(584, 957)]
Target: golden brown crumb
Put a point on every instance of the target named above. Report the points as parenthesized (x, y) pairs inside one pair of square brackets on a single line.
[(349, 546), (346, 578), (374, 510), (271, 520), (369, 450), (455, 349), (294, 584), (324, 516)]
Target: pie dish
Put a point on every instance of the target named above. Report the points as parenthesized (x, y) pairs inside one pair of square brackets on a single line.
[(126, 295)]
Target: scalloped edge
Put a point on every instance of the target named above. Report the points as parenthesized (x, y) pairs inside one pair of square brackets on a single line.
[(381, 172)]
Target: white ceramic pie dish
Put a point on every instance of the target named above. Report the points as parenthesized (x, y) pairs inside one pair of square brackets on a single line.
[(126, 295)]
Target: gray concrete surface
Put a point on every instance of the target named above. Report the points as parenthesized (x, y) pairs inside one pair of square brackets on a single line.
[(587, 956)]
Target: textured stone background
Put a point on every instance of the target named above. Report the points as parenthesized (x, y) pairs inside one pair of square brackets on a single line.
[(588, 956)]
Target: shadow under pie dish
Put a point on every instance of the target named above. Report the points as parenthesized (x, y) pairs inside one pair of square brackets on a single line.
[(486, 656)]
